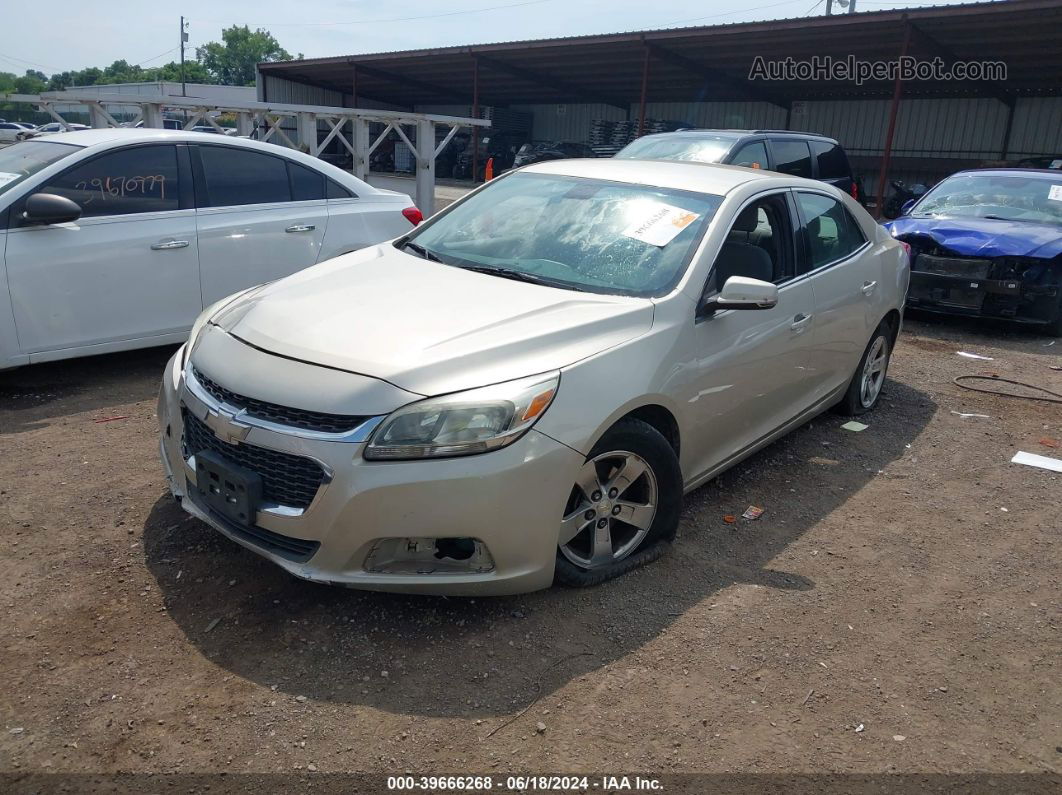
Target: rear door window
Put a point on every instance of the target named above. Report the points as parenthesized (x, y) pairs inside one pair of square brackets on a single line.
[(751, 155), (306, 184), (792, 157), (139, 179), (239, 176), (831, 160), (830, 231)]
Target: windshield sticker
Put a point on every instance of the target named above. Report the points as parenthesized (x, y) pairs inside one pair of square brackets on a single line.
[(1055, 194), (6, 177), (662, 225)]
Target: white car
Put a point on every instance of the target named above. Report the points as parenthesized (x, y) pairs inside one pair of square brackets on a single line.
[(11, 131), (521, 390), (114, 239)]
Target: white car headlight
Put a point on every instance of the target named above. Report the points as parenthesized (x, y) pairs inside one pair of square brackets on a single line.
[(463, 423)]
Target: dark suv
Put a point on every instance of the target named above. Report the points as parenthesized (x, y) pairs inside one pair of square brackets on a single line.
[(800, 154)]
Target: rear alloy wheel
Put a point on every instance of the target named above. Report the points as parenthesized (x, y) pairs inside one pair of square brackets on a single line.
[(623, 507), (865, 386)]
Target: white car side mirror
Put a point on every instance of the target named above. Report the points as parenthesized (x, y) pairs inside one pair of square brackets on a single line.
[(741, 292)]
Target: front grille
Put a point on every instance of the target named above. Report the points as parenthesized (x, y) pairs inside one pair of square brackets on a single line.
[(286, 479), (284, 415), (967, 268), (298, 550)]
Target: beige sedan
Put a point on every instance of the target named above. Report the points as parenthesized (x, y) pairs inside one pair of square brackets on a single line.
[(520, 391)]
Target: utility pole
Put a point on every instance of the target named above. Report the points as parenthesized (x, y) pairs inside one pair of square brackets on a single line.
[(184, 40), (829, 7), (851, 6)]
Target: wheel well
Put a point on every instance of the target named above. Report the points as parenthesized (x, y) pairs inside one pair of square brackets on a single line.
[(661, 419), (893, 319)]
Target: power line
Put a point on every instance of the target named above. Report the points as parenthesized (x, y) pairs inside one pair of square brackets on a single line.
[(13, 59), (391, 19), (729, 13)]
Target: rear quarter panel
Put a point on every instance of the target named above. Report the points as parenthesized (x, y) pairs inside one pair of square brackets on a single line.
[(364, 221)]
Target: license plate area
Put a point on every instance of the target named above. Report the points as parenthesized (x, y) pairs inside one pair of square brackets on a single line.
[(232, 491)]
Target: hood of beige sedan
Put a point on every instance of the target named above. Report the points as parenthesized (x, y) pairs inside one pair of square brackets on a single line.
[(426, 327)]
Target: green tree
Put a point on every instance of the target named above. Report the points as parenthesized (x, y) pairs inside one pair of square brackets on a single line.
[(194, 72), (232, 63)]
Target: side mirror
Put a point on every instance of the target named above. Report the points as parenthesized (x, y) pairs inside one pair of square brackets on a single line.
[(47, 208), (741, 292), (906, 206)]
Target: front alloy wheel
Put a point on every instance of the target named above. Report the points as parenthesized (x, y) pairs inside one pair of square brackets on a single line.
[(623, 508), (610, 510)]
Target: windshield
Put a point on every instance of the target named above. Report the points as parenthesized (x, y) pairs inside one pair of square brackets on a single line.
[(582, 234), (1008, 197), (699, 149), (22, 160)]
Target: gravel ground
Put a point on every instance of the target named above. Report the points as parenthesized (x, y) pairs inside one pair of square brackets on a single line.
[(895, 609)]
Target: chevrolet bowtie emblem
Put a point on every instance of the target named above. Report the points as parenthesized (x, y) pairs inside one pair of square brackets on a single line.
[(226, 426)]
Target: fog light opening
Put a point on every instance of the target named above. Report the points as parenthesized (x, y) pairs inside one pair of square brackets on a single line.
[(458, 555), (456, 548)]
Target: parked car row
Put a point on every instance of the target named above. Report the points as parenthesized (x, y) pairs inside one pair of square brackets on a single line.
[(600, 335)]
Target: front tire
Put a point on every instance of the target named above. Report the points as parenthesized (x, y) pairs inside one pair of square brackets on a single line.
[(624, 510), (864, 390)]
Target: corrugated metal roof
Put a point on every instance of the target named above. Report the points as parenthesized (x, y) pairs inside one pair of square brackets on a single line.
[(691, 63)]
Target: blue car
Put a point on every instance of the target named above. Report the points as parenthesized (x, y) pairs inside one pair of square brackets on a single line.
[(988, 243)]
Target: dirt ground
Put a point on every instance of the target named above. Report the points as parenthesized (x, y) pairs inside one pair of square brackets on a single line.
[(896, 608)]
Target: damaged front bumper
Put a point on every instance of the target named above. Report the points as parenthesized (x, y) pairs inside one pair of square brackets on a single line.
[(1025, 292)]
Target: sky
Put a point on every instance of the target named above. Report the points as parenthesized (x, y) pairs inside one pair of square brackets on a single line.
[(59, 35)]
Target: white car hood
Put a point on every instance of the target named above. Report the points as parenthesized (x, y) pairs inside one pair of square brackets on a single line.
[(426, 327)]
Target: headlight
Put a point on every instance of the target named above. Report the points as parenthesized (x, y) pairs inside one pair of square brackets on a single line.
[(464, 423)]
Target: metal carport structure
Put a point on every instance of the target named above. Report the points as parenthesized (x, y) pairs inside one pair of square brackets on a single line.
[(629, 70)]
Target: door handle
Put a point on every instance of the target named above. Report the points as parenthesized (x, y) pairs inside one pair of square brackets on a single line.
[(868, 287), (165, 245), (800, 322), (301, 228)]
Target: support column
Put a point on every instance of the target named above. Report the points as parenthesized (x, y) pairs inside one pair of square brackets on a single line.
[(152, 114), (475, 115), (886, 156), (307, 127), (425, 197), (97, 118), (354, 85), (361, 147), (645, 91), (244, 123), (1011, 102)]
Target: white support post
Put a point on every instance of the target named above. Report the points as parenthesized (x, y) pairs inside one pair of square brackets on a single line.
[(425, 197), (152, 115), (361, 148), (244, 123), (307, 129), (98, 117)]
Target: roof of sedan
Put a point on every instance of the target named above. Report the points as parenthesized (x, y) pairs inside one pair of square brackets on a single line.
[(680, 175), (111, 134)]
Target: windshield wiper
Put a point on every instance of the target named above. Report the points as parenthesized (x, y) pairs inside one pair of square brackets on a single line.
[(521, 276), (420, 251)]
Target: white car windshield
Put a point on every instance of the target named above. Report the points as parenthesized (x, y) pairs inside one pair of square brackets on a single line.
[(581, 234), (1007, 197), (24, 159), (695, 149)]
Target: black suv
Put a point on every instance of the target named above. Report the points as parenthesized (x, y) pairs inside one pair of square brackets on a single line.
[(800, 154)]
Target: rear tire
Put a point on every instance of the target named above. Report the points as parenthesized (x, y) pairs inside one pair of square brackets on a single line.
[(864, 390), (624, 510)]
